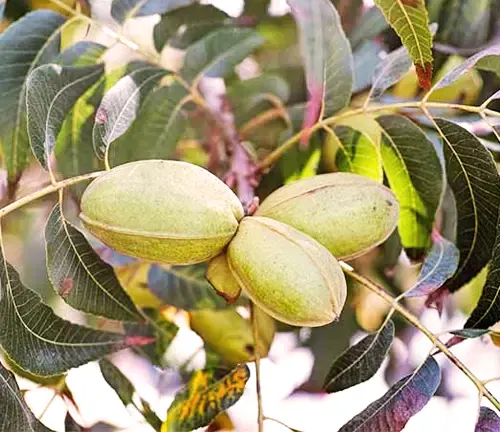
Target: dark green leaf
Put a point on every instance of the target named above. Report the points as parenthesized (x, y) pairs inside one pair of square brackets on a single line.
[(160, 124), (469, 333), (206, 395), (182, 27), (488, 421), (51, 91), (39, 341), (361, 361), (411, 22), (438, 267), (120, 106), (218, 53), (415, 175), (184, 287), (38, 35), (358, 153), (80, 277), (327, 56), (16, 415), (119, 382), (83, 53), (122, 10), (403, 400), (473, 179), (487, 311), (70, 425)]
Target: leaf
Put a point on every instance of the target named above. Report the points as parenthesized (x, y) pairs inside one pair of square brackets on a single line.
[(327, 56), (74, 150), (468, 64), (358, 153), (79, 276), (51, 91), (473, 179), (403, 400), (16, 414), (119, 382), (184, 26), (415, 175), (469, 333), (83, 53), (488, 421), (70, 424), (487, 311), (206, 395), (218, 53), (361, 361), (366, 58), (121, 10), (410, 21), (389, 71), (184, 287), (38, 34), (161, 123), (39, 341), (370, 25), (120, 106), (438, 267)]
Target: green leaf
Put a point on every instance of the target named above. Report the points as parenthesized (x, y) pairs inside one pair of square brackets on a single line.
[(488, 421), (39, 341), (358, 153), (403, 400), (160, 123), (120, 106), (79, 276), (410, 21), (473, 178), (121, 10), (440, 265), (487, 311), (119, 382), (38, 35), (415, 175), (51, 91), (184, 287), (206, 395), (74, 151), (218, 53), (361, 361), (83, 53), (327, 55), (182, 27), (16, 415)]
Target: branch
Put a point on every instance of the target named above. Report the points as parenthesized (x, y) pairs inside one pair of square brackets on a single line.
[(412, 319)]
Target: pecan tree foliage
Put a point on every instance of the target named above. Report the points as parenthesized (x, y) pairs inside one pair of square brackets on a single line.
[(405, 92)]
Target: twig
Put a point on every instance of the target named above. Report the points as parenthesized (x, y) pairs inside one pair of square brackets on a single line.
[(412, 319), (260, 413), (281, 423)]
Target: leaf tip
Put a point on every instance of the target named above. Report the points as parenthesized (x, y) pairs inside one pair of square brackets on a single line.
[(424, 74), (139, 340)]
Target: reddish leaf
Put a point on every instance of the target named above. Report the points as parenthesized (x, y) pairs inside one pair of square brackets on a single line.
[(404, 399), (424, 74)]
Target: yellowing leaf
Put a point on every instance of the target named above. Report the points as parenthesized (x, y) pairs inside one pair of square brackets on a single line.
[(206, 395), (410, 21)]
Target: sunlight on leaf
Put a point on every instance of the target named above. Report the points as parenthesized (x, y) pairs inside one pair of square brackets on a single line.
[(16, 415), (206, 395), (79, 276), (361, 361), (410, 21), (120, 106), (438, 267), (403, 400), (416, 176)]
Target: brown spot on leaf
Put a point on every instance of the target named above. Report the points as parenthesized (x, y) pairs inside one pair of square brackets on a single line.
[(139, 340), (65, 287), (101, 116), (424, 74)]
